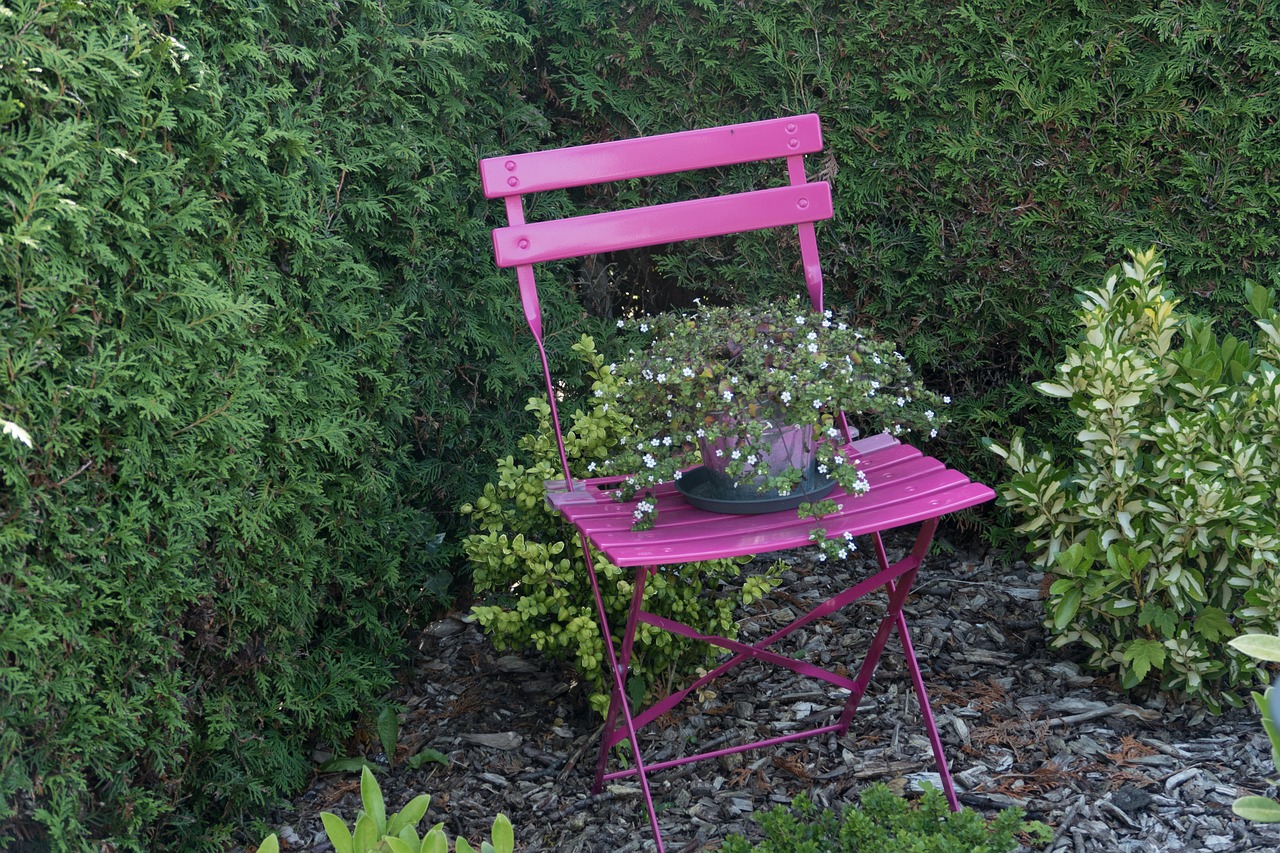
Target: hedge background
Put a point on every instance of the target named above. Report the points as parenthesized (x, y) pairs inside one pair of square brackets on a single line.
[(250, 317)]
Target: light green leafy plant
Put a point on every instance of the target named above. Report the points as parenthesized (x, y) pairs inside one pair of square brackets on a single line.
[(1264, 647), (1162, 530), (376, 832), (529, 561)]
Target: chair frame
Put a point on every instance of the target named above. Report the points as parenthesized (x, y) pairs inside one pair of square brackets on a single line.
[(907, 487)]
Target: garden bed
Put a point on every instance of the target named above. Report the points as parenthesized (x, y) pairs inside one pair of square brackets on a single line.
[(1023, 725)]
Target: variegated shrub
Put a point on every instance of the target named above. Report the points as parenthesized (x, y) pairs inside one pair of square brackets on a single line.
[(1161, 530)]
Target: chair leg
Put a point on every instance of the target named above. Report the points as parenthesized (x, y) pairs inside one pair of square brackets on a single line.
[(624, 665), (897, 593), (619, 695), (926, 711)]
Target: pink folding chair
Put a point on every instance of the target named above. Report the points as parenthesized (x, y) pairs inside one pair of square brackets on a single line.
[(907, 487)]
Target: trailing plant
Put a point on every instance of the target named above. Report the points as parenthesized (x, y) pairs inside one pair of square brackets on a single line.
[(887, 823), (719, 385), (530, 564), (1161, 528), (377, 832), (1263, 647)]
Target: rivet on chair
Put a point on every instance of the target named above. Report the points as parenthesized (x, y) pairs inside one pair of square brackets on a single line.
[(802, 203), (511, 165), (513, 181), (794, 143), (523, 242), (791, 127)]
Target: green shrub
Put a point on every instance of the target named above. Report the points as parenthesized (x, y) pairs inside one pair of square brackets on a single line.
[(530, 561), (232, 238), (1161, 529), (887, 823), (976, 152)]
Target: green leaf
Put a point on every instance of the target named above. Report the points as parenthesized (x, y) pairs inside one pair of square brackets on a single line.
[(339, 835), (435, 842), (270, 844), (347, 765), (396, 845), (1142, 655), (1257, 809), (463, 846), (1066, 610), (409, 815), (504, 837), (389, 732), (371, 799), (1261, 646), (366, 835), (1213, 624), (426, 755)]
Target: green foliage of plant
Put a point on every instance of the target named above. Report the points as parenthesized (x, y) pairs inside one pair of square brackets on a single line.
[(530, 561), (1161, 529), (377, 832), (887, 823), (232, 238), (977, 150), (1262, 647)]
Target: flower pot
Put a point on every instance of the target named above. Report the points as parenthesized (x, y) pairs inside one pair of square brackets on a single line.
[(778, 449)]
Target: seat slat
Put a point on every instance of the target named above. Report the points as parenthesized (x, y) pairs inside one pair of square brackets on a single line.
[(557, 239), (906, 487), (686, 150)]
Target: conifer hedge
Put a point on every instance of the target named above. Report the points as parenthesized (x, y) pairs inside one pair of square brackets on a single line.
[(250, 319), (247, 321), (986, 156)]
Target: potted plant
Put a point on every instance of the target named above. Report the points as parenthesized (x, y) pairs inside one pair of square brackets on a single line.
[(747, 398)]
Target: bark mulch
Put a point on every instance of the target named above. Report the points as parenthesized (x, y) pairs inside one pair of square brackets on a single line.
[(1023, 725)]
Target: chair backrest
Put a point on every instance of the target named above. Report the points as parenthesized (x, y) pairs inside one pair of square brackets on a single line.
[(522, 244)]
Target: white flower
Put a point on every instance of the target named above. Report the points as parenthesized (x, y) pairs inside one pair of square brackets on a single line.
[(844, 552), (605, 407), (678, 475), (822, 469), (621, 324), (833, 432), (687, 373), (599, 393), (666, 440), (928, 413), (701, 433), (817, 404), (874, 384), (822, 556), (662, 377), (933, 433), (644, 327), (848, 536), (876, 359), (946, 399), (813, 347), (728, 396), (901, 402), (813, 336), (649, 461), (655, 442), (799, 321), (737, 454), (785, 396), (844, 327), (591, 466), (18, 433), (719, 453)]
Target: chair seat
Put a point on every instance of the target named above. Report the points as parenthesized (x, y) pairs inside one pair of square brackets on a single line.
[(906, 487)]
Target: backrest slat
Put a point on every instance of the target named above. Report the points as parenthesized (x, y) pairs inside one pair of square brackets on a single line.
[(558, 239), (580, 165)]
